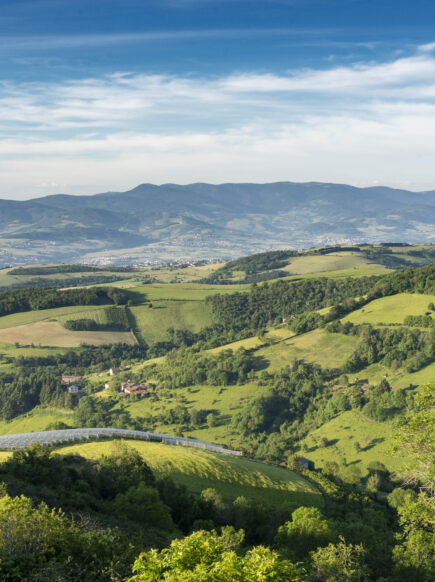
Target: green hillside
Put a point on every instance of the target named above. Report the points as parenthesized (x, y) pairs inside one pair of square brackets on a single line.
[(317, 346), (231, 476), (352, 439), (151, 324), (333, 262), (392, 310)]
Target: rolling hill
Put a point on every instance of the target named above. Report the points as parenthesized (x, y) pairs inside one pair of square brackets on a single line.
[(231, 476)]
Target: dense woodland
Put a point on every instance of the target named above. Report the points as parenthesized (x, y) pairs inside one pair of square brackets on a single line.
[(33, 299)]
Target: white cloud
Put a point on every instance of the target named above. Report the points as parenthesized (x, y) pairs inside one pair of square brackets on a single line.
[(365, 122)]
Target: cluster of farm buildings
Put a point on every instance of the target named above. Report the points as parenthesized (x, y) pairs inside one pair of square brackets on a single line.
[(73, 385)]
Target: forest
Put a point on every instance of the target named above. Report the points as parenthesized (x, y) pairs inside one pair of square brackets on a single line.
[(32, 299)]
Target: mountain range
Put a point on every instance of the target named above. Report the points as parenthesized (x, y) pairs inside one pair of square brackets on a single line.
[(199, 221)]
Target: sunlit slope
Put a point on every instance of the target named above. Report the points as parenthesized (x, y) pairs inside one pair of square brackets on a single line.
[(393, 309), (151, 325), (45, 327), (47, 333), (339, 261), (35, 421), (318, 346), (352, 438), (231, 476)]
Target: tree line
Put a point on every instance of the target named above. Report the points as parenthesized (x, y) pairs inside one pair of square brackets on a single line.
[(34, 299)]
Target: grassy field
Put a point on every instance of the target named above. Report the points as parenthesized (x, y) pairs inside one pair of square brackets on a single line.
[(317, 346), (51, 333), (399, 378), (36, 420), (339, 261), (151, 324), (99, 315), (248, 344), (391, 309), (56, 314), (343, 432), (231, 476), (10, 351), (182, 275), (225, 400), (180, 292)]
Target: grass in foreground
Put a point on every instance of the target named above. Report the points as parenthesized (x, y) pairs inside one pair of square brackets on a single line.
[(231, 476)]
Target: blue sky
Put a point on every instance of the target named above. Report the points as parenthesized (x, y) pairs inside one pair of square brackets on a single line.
[(104, 94)]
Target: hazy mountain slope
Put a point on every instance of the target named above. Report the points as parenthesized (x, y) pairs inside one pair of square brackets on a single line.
[(205, 220)]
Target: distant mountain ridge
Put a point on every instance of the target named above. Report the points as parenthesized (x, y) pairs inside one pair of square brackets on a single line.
[(201, 220)]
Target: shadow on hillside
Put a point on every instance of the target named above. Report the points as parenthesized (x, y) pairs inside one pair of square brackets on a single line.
[(260, 363), (373, 443)]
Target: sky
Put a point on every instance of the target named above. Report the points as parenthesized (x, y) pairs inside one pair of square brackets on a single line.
[(99, 95)]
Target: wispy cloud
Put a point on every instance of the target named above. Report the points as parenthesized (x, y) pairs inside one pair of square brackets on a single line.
[(24, 43), (365, 121)]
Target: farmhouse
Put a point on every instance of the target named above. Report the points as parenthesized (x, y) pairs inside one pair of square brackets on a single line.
[(74, 389), (107, 385), (114, 371), (135, 389)]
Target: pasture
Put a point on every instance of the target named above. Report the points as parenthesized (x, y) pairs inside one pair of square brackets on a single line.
[(399, 378), (180, 292), (51, 333), (55, 314), (317, 346), (36, 420), (224, 400), (152, 324), (392, 309), (230, 476), (340, 261), (343, 432), (247, 344)]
